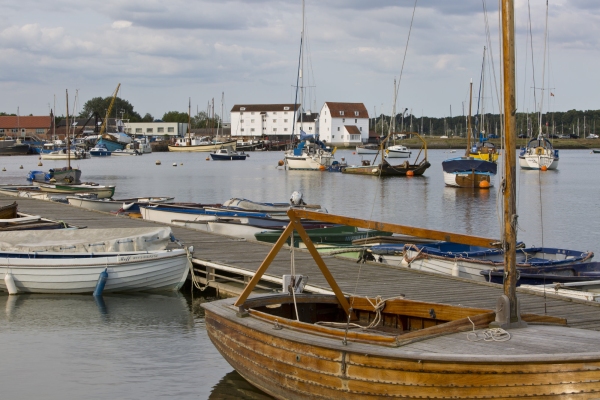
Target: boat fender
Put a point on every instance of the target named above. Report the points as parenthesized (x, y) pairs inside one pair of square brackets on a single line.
[(455, 269), (10, 283), (101, 283)]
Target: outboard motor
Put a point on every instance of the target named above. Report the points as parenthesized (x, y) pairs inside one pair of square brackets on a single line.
[(296, 199)]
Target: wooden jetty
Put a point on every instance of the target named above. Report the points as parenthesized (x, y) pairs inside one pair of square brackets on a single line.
[(227, 264)]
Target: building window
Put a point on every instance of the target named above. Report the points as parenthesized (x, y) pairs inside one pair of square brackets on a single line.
[(285, 112), (355, 120), (171, 129), (148, 130), (341, 113), (285, 120), (354, 137), (39, 131), (242, 129), (138, 130), (251, 129), (242, 108), (310, 128), (274, 129), (356, 113), (241, 121), (14, 130), (285, 129), (252, 121), (338, 128), (241, 113), (160, 130), (274, 112), (274, 120), (343, 120), (2, 130), (360, 128), (264, 128), (333, 136), (286, 108), (252, 113)]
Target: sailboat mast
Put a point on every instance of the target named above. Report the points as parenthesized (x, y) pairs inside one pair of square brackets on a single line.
[(510, 124), (469, 118), (302, 71), (189, 138), (67, 135)]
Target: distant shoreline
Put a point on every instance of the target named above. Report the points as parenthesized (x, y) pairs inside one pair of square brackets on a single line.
[(461, 143)]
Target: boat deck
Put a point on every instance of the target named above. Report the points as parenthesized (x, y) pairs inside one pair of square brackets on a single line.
[(220, 255)]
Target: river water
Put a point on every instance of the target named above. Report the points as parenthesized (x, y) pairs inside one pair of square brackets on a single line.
[(156, 346)]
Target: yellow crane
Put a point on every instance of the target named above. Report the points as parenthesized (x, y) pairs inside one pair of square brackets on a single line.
[(110, 107)]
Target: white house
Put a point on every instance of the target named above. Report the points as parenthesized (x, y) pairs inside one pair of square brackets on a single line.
[(255, 120), (308, 122), (156, 128), (344, 124)]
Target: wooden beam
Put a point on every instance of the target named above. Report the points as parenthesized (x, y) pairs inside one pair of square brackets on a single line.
[(320, 263), (265, 265), (395, 228)]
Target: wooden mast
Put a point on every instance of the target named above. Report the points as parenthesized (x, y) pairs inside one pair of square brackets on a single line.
[(509, 185), (189, 138)]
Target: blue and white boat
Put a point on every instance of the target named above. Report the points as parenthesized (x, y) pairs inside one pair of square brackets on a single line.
[(469, 172), (226, 154), (582, 272), (169, 213), (539, 154), (100, 150), (310, 154), (468, 261)]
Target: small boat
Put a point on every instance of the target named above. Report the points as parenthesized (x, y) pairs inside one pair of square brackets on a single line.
[(597, 151), (109, 205), (539, 154), (397, 151), (468, 261), (9, 211), (101, 191), (62, 175), (310, 154), (238, 228), (167, 213), (340, 234), (226, 153), (100, 150), (469, 171), (296, 201), (546, 275), (65, 154), (369, 148), (11, 147), (126, 152)]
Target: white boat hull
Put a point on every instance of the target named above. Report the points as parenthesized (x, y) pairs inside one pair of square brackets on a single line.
[(363, 150), (452, 179), (533, 161), (308, 162), (397, 152), (142, 271), (168, 216), (204, 147), (106, 205)]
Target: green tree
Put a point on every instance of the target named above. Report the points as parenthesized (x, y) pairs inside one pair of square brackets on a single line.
[(175, 116), (121, 108), (202, 120), (147, 118)]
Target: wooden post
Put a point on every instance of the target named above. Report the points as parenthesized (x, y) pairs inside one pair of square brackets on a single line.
[(509, 185)]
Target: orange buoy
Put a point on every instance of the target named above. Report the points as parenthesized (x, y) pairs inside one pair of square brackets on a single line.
[(280, 163), (410, 173), (484, 184), (353, 152), (207, 158), (544, 168), (322, 167)]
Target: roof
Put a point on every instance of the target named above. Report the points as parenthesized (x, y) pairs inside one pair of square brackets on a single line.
[(265, 107), (348, 109), (308, 117), (352, 129), (31, 122)]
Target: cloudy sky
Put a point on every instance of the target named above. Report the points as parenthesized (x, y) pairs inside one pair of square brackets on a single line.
[(164, 52)]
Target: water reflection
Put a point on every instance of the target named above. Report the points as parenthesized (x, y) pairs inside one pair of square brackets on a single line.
[(234, 387)]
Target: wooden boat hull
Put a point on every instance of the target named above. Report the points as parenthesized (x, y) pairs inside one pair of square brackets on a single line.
[(204, 147), (102, 192), (385, 169), (468, 180), (8, 211), (288, 364), (15, 150), (139, 271)]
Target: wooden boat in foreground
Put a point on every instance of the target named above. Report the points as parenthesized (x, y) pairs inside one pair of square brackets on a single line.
[(298, 346), (8, 211), (101, 191)]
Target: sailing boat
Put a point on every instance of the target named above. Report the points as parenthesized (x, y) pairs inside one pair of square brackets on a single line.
[(66, 174), (302, 346), (310, 154), (539, 153), (469, 171)]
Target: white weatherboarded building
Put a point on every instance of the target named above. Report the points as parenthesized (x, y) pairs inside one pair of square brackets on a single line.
[(344, 124), (254, 120)]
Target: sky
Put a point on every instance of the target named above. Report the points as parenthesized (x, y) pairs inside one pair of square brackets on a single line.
[(246, 52)]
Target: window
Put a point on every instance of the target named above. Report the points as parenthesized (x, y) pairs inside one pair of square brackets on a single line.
[(40, 131), (264, 128), (285, 129), (341, 113), (138, 130), (354, 137), (252, 121), (241, 121), (343, 120), (149, 130), (333, 136), (310, 128), (355, 120), (2, 130), (286, 108), (360, 128), (274, 129), (285, 120), (14, 130), (171, 129), (160, 130), (242, 108), (274, 120), (242, 129), (251, 129), (241, 113), (274, 112), (252, 113), (338, 128)]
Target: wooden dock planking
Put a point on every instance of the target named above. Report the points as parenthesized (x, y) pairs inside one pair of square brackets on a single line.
[(373, 279)]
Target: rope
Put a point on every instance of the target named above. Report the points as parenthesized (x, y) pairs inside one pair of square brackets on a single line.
[(196, 284), (378, 306), (488, 335)]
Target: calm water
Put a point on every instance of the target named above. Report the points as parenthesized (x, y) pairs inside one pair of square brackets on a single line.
[(152, 346)]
